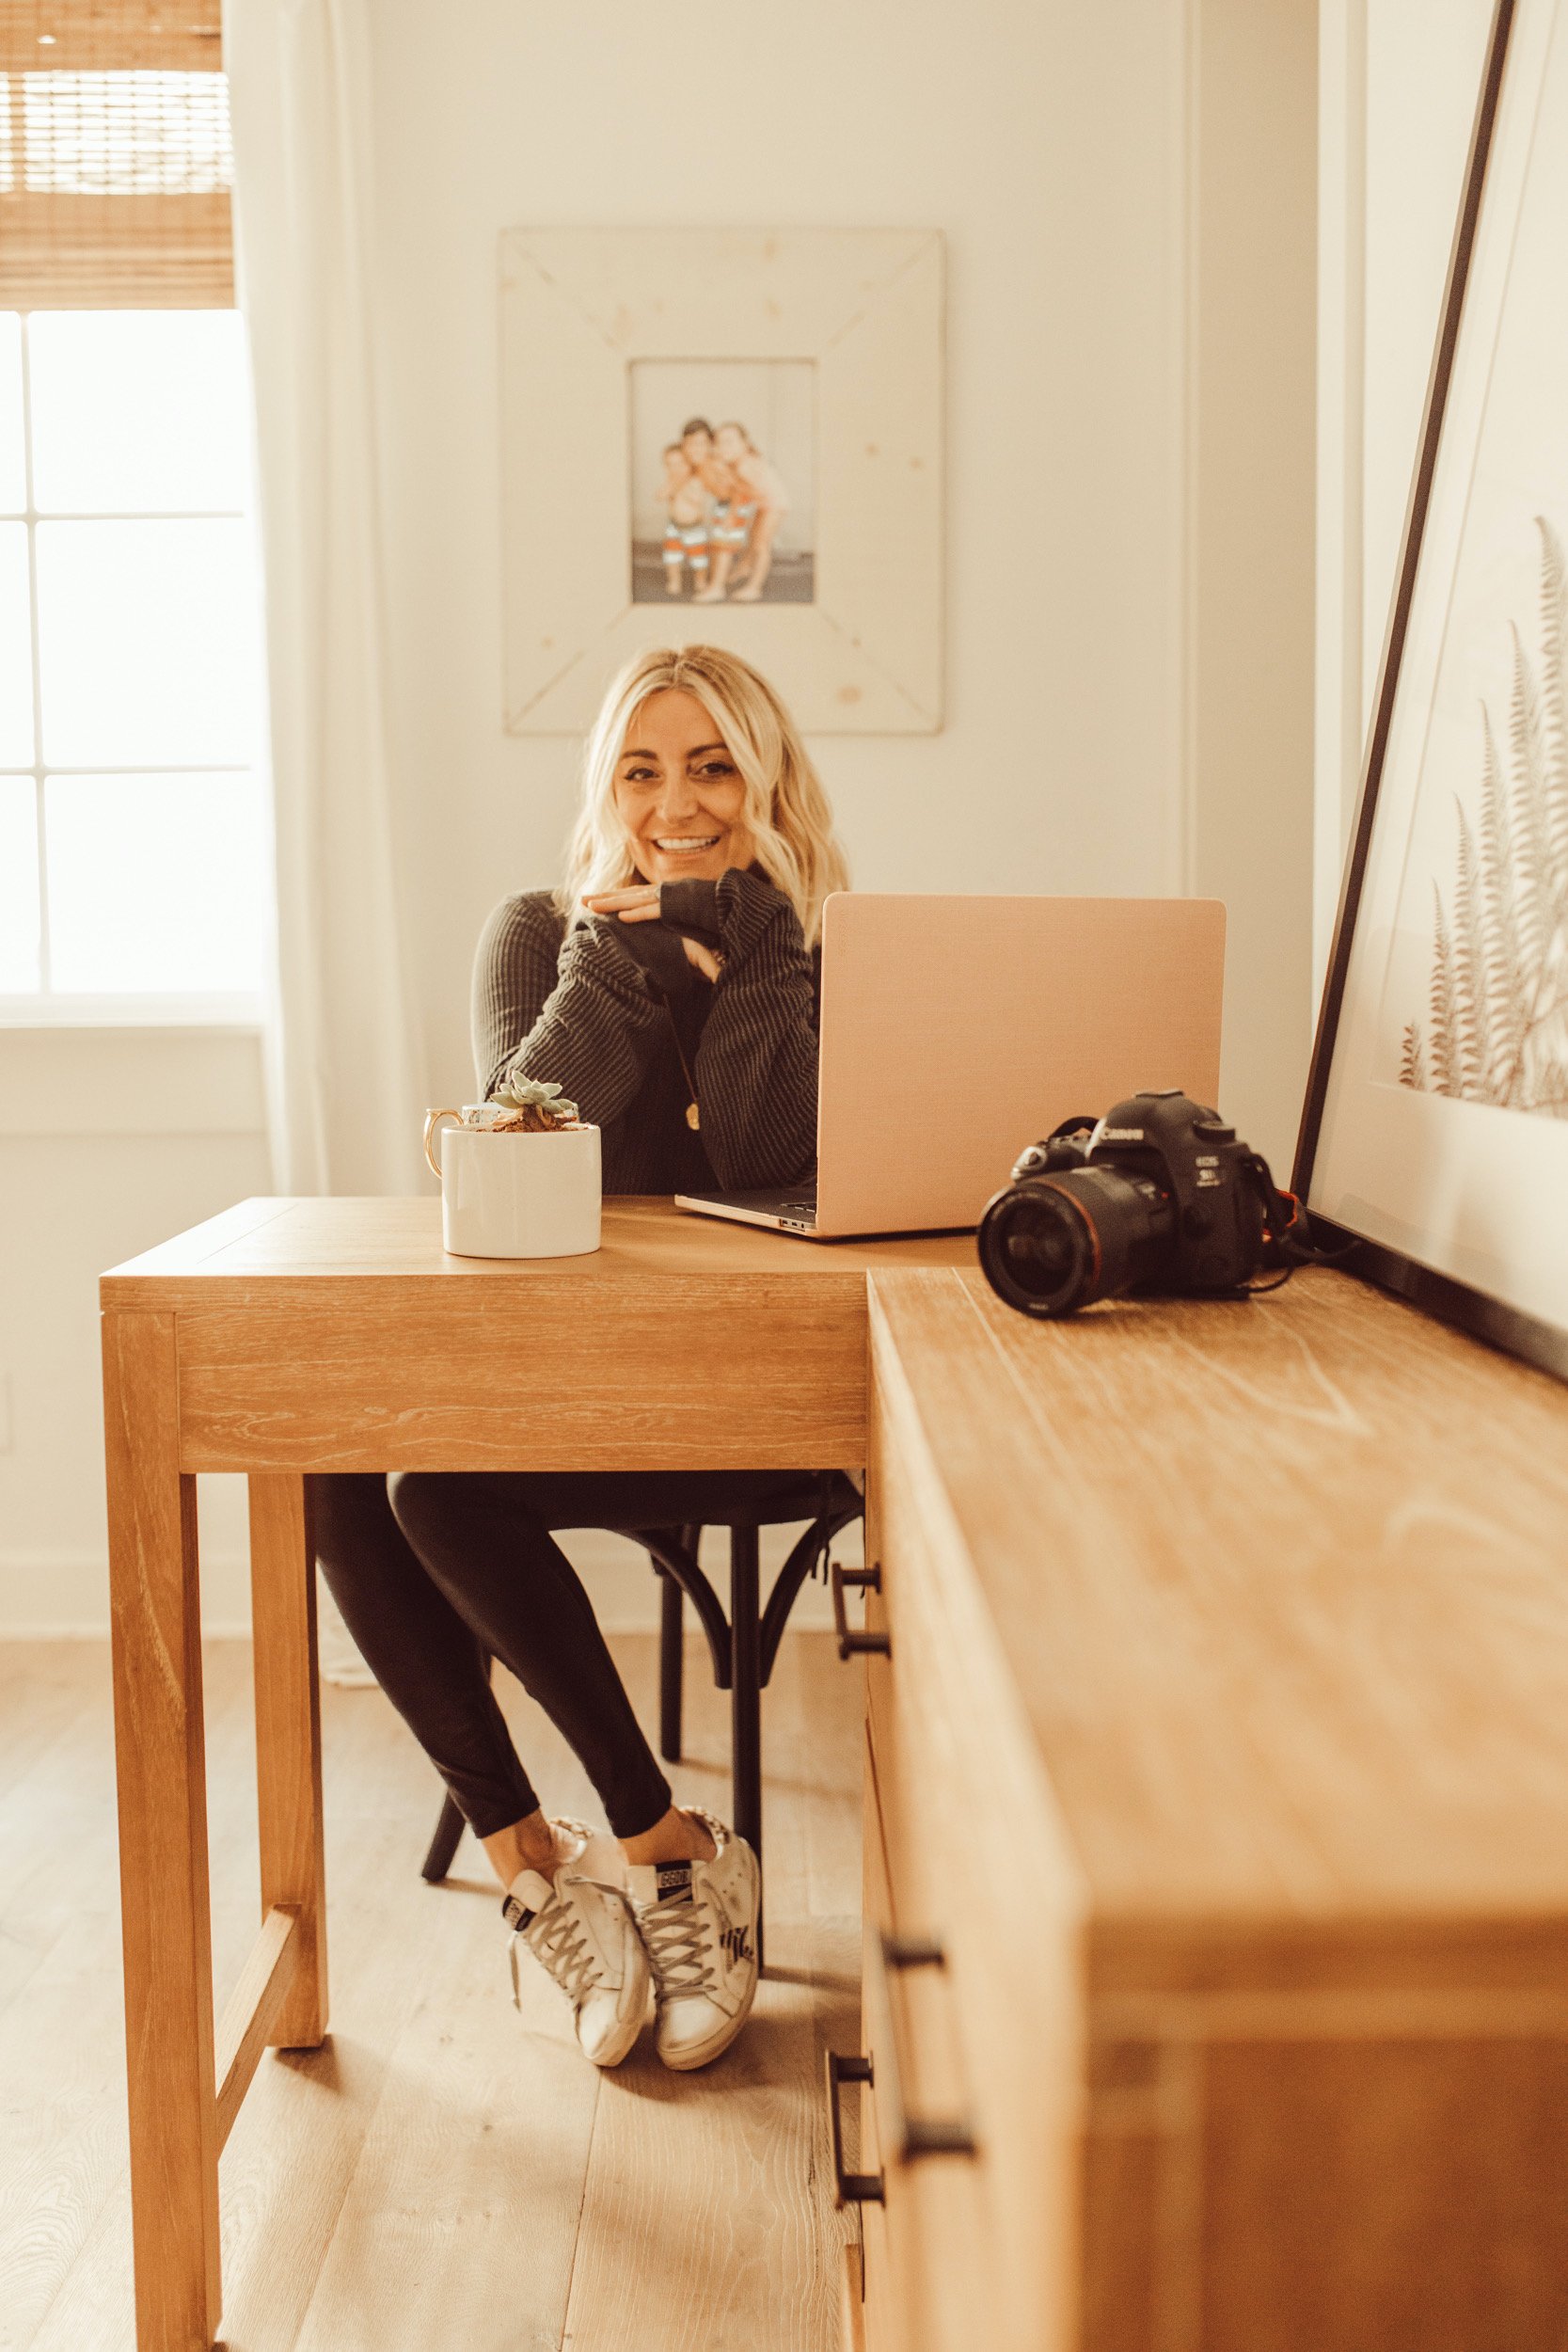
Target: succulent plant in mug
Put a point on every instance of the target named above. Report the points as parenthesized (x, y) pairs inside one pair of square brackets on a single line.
[(530, 1106)]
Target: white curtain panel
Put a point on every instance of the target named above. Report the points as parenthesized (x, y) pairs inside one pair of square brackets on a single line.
[(346, 1104)]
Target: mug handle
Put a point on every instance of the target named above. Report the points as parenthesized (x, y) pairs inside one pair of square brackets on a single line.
[(432, 1121)]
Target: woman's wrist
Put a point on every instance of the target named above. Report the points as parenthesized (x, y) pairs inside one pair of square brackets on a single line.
[(749, 907), (692, 908), (654, 950)]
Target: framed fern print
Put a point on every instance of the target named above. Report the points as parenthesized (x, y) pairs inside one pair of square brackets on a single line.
[(1436, 1132)]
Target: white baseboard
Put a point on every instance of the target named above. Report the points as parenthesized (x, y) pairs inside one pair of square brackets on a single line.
[(63, 1596)]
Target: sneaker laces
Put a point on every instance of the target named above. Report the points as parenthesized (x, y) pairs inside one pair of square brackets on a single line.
[(677, 1946), (555, 1936)]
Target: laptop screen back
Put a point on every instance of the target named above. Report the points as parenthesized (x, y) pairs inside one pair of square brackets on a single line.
[(955, 1030)]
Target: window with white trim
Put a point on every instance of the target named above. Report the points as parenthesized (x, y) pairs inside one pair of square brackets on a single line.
[(131, 858)]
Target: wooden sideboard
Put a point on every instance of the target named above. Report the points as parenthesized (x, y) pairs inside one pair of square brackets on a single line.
[(1217, 1782), (1216, 1830)]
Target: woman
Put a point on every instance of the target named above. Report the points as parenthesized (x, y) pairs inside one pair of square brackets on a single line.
[(746, 522), (669, 985)]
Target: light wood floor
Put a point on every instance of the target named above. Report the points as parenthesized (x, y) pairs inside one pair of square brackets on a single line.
[(443, 2172)]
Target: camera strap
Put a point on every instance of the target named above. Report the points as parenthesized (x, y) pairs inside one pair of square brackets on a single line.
[(1287, 1242)]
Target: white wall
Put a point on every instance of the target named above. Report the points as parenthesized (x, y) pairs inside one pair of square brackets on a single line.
[(1100, 736), (110, 1141), (1248, 601), (1128, 225), (1045, 142), (1400, 84)]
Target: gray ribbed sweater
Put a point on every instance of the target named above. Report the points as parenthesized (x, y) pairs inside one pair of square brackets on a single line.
[(583, 1008)]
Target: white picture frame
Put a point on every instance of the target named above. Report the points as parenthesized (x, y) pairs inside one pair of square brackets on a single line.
[(1434, 1137), (578, 308)]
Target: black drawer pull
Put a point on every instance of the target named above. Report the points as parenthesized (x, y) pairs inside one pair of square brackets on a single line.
[(850, 2188), (912, 2136), (849, 1642), (912, 1951)]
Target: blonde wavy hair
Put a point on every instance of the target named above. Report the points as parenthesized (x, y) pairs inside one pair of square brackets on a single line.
[(785, 809)]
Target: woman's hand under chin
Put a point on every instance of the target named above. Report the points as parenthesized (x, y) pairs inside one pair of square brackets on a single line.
[(638, 904)]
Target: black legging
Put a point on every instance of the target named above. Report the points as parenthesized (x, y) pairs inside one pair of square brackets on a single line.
[(434, 1570)]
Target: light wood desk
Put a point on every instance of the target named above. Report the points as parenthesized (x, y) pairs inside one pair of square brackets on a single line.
[(288, 1337)]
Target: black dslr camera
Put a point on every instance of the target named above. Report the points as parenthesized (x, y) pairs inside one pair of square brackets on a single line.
[(1159, 1196)]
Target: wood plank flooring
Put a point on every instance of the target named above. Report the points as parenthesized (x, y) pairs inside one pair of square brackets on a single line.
[(445, 2170)]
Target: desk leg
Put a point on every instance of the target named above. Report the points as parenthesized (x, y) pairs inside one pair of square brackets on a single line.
[(160, 1765), (288, 1741)]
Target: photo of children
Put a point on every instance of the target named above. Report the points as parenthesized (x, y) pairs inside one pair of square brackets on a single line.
[(722, 514), (684, 496)]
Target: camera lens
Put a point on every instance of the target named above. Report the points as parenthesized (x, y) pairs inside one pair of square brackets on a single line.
[(1052, 1245), (1037, 1250)]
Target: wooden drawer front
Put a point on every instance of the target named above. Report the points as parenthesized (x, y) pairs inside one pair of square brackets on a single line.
[(928, 2254), (977, 1865), (852, 2291), (1270, 2190), (886, 2322)]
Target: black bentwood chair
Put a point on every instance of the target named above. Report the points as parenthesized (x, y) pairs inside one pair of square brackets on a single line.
[(743, 1646)]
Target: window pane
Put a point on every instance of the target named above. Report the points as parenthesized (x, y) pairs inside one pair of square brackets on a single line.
[(127, 132), (148, 637), (16, 650), (155, 883), (18, 885), (139, 411), (14, 470)]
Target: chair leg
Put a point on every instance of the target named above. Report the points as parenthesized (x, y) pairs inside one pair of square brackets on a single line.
[(448, 1833), (671, 1633), (746, 1693), (449, 1828)]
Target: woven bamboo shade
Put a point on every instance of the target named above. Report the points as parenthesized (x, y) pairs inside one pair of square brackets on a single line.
[(115, 163)]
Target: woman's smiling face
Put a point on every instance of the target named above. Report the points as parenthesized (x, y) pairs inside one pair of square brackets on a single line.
[(679, 793)]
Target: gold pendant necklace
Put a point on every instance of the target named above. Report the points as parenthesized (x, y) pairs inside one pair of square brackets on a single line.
[(693, 1117)]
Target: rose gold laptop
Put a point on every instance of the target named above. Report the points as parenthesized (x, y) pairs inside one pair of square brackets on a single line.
[(956, 1030)]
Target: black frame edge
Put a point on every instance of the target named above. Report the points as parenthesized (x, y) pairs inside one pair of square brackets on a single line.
[(1507, 1328), (1393, 645), (1475, 1312)]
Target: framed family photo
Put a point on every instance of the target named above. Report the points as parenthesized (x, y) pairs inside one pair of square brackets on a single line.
[(723, 481), (729, 436), (1436, 1130)]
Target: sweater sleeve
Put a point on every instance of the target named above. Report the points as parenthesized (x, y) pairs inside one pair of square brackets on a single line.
[(756, 1064), (692, 908), (579, 1012)]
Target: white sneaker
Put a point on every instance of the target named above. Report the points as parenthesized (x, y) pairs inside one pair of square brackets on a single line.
[(581, 1931), (699, 1922)]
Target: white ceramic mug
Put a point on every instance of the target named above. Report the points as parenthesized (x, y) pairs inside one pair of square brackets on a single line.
[(515, 1195)]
